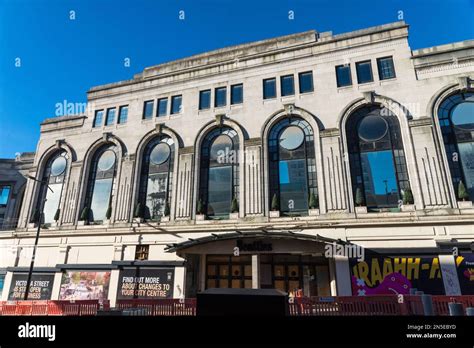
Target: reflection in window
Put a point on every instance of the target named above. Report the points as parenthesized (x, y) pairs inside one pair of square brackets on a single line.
[(237, 94), (292, 165), (156, 177), (219, 174), (269, 88), (176, 106), (220, 97), (306, 81), (162, 107), (101, 180), (287, 85), (123, 114), (205, 99), (148, 109), (364, 72), (53, 176), (377, 159), (110, 118), (99, 114), (386, 68), (4, 195), (343, 75), (456, 119)]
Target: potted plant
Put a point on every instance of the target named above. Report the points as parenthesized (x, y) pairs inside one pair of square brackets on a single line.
[(359, 201), (34, 220), (275, 209), (408, 201), (108, 215), (200, 211), (138, 214), (56, 217), (463, 197), (313, 205), (84, 218), (166, 213), (234, 209)]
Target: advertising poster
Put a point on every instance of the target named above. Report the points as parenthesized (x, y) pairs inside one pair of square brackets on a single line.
[(385, 275), (82, 285), (41, 286), (2, 282), (465, 268), (145, 283)]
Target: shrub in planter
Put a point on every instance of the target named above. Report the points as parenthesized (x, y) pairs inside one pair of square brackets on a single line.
[(85, 214), (359, 198), (407, 197), (275, 203), (463, 195), (167, 209), (108, 213), (139, 211), (56, 216), (234, 207), (313, 201), (200, 207)]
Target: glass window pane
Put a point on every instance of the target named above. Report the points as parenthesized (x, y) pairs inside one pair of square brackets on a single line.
[(162, 107), (462, 116), (269, 88), (364, 72), (220, 96), (372, 128), (4, 195), (291, 138), (148, 109), (293, 186), (306, 82), (123, 114), (52, 202), (343, 75), (287, 85), (99, 114), (176, 104), (466, 152), (237, 94), (219, 191), (156, 195), (386, 68), (101, 199), (205, 99), (110, 119), (380, 183)]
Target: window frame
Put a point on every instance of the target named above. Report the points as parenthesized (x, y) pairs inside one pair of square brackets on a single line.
[(209, 91), (380, 70), (232, 99), (289, 76), (107, 122), (145, 103), (310, 72), (348, 66), (158, 103), (216, 99), (2, 186), (275, 95), (359, 64), (119, 117), (94, 123), (173, 101)]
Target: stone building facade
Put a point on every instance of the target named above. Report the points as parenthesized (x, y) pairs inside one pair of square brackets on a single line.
[(339, 143)]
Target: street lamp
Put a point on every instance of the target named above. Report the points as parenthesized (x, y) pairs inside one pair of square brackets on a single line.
[(40, 219)]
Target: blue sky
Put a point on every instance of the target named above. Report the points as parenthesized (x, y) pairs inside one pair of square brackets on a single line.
[(62, 58)]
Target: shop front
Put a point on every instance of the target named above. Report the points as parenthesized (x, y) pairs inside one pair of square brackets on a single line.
[(293, 263)]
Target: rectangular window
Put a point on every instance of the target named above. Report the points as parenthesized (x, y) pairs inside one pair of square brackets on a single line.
[(148, 109), (4, 195), (162, 107), (269, 88), (343, 75), (237, 94), (287, 85), (220, 97), (176, 101), (386, 68), (205, 99), (141, 252), (364, 72), (99, 114), (110, 118), (306, 81), (123, 114)]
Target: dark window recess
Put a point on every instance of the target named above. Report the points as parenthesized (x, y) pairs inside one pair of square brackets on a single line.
[(99, 114), (162, 107), (4, 195), (220, 97), (123, 114), (364, 72), (237, 94), (148, 109), (343, 75), (269, 88), (176, 104), (386, 68), (287, 85), (141, 252), (306, 82), (205, 99)]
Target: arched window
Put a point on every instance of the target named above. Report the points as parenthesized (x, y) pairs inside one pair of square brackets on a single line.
[(101, 180), (456, 119), (377, 159), (219, 175), (53, 176), (292, 165), (156, 177)]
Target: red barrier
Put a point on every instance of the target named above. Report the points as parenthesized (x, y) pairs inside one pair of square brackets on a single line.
[(161, 307), (75, 308)]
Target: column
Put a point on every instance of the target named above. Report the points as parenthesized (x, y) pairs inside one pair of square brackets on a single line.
[(343, 276), (256, 271)]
